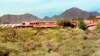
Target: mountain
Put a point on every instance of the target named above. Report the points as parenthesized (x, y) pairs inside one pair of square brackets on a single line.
[(68, 14), (17, 18), (73, 13), (76, 12), (50, 18)]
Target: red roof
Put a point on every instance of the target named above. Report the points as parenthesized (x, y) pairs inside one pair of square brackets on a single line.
[(89, 23), (97, 16)]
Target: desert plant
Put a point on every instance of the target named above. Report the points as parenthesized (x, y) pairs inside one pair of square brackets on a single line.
[(97, 26), (64, 23), (49, 42), (24, 33), (82, 25), (8, 34)]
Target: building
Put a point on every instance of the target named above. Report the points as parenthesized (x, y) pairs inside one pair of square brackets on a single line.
[(38, 23), (97, 17), (91, 24), (9, 25)]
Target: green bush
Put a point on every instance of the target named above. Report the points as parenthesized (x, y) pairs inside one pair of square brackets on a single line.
[(82, 25)]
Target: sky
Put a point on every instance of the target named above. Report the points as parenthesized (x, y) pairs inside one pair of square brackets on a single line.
[(42, 8)]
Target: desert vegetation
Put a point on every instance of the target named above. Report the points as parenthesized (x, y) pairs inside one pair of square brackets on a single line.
[(82, 25), (49, 42), (65, 23)]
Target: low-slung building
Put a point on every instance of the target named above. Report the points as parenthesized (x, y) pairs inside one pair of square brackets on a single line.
[(38, 23)]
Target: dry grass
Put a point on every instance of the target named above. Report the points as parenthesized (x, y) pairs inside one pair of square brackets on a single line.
[(48, 42)]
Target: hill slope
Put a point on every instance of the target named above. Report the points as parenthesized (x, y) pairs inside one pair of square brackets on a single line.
[(68, 14), (17, 18), (73, 13)]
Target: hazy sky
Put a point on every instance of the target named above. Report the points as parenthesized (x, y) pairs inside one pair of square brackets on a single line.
[(43, 8)]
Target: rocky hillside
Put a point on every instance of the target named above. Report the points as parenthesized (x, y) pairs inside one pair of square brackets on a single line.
[(17, 18), (68, 14), (73, 13)]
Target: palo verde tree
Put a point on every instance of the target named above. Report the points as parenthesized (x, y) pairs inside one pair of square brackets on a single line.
[(81, 24)]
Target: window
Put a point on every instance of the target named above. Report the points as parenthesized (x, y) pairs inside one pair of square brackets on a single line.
[(47, 23), (23, 23), (37, 23)]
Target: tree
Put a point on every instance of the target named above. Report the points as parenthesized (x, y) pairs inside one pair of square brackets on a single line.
[(64, 23), (81, 24)]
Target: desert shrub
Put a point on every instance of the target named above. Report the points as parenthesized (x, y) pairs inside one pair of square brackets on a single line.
[(24, 33), (64, 23), (8, 34), (49, 42), (97, 26), (4, 53), (79, 44), (97, 53), (7, 51), (54, 28), (28, 46), (82, 25), (52, 46)]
